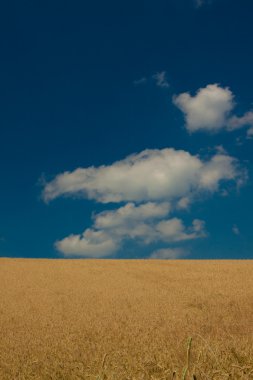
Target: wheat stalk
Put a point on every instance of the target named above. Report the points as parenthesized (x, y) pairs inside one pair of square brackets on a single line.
[(186, 368)]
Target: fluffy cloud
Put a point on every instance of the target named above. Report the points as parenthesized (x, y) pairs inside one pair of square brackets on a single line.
[(168, 253), (130, 214), (173, 230), (207, 110), (145, 224), (91, 243), (152, 175), (183, 203), (132, 222), (211, 109), (154, 184)]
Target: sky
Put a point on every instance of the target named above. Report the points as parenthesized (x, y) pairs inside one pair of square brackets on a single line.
[(126, 129)]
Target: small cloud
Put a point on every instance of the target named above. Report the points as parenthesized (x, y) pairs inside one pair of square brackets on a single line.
[(92, 244), (140, 81), (220, 149), (207, 110), (160, 79), (168, 253), (236, 122), (210, 110), (2, 239), (183, 203), (236, 230)]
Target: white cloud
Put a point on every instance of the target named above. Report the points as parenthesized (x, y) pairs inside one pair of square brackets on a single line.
[(161, 79), (183, 203), (168, 253), (210, 110), (173, 230), (132, 222), (152, 175), (145, 224), (207, 110), (236, 122), (130, 214), (220, 167), (91, 243), (154, 184)]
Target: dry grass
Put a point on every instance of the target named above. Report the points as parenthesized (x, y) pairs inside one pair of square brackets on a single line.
[(98, 319)]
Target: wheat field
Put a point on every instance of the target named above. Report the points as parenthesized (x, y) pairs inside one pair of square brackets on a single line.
[(126, 319)]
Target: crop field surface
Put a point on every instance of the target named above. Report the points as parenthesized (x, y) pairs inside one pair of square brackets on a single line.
[(126, 319)]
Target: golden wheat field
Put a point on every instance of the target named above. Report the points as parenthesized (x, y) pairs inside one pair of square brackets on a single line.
[(126, 319)]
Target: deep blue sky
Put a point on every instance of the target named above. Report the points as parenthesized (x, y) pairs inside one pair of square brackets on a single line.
[(68, 100)]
